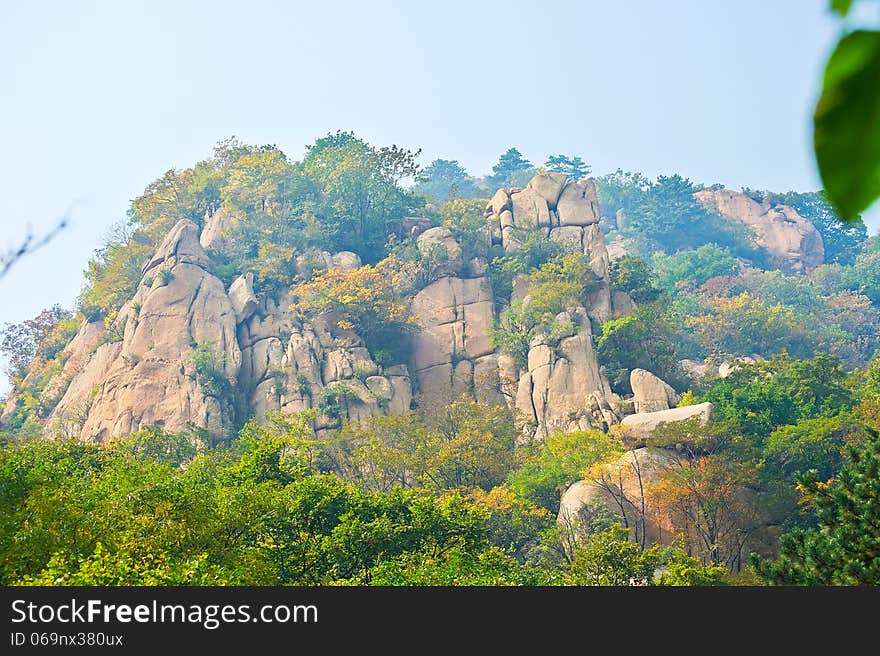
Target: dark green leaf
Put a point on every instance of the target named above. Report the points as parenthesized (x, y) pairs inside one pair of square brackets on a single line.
[(847, 124), (842, 7)]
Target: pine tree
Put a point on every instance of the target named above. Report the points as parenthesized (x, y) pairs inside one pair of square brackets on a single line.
[(844, 548)]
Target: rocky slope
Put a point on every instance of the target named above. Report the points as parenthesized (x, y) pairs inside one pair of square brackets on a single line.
[(186, 352), (791, 242)]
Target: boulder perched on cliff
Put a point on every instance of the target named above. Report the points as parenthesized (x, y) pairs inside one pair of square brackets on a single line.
[(642, 425), (792, 243), (650, 393)]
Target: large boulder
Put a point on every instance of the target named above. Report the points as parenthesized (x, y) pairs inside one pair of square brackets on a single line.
[(792, 243), (216, 232), (642, 425), (622, 487), (438, 247), (650, 393), (241, 295)]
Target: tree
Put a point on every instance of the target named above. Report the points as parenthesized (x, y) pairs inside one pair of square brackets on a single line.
[(574, 167), (690, 269), (445, 179), (635, 277), (557, 285), (370, 300), (664, 215), (746, 325), (550, 467), (764, 395), (505, 171), (43, 335), (362, 191), (458, 567), (842, 549), (610, 559), (645, 339), (705, 498)]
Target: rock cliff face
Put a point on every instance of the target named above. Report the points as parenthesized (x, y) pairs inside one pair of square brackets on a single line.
[(568, 213), (792, 243), (562, 388), (149, 376), (186, 351)]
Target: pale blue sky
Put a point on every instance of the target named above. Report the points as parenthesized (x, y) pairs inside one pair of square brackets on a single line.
[(99, 98)]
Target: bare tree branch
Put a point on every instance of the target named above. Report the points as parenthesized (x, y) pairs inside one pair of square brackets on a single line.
[(30, 244)]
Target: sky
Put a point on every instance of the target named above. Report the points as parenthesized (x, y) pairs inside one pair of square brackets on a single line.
[(97, 99)]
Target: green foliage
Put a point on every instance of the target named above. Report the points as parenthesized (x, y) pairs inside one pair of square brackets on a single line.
[(572, 166), (458, 567), (444, 180), (747, 325), (781, 391), (845, 135), (548, 468), (681, 569), (690, 269), (209, 363), (609, 558), (842, 548), (537, 250), (43, 336), (361, 190), (123, 568), (461, 445), (665, 216), (334, 397), (645, 339), (372, 300), (631, 274), (509, 170), (810, 444), (464, 218), (563, 282), (256, 513)]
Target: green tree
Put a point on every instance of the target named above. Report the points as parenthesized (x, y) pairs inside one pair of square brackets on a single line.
[(445, 179), (645, 339), (842, 549), (362, 191), (507, 172), (690, 269), (561, 283), (631, 274), (574, 167), (22, 342), (610, 559), (550, 467), (765, 395), (458, 567)]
